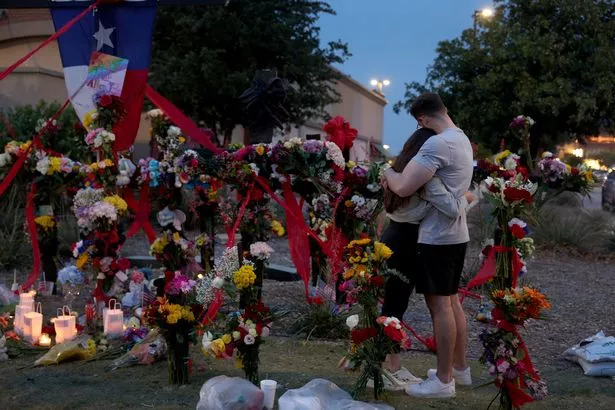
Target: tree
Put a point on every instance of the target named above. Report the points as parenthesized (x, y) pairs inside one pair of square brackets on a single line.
[(205, 57), (549, 59)]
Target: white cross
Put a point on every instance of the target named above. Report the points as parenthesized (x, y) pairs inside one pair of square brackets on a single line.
[(103, 36)]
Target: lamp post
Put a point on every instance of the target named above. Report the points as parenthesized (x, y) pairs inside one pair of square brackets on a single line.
[(379, 85), (484, 14)]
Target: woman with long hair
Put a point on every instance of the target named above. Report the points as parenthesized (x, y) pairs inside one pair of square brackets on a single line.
[(401, 235)]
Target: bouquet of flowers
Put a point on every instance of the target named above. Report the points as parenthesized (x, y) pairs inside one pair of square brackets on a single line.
[(243, 334), (46, 226), (521, 125), (505, 352), (363, 202), (372, 337), (173, 250), (557, 177), (315, 166)]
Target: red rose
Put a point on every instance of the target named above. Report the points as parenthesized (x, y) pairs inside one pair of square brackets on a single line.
[(105, 101), (512, 194), (123, 264), (517, 231), (377, 281), (169, 275), (523, 171), (317, 300), (395, 335), (359, 336), (493, 188), (574, 171)]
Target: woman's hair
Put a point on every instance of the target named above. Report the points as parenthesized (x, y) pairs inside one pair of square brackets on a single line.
[(392, 201)]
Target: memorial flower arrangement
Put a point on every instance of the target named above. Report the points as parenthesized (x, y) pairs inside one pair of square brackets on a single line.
[(173, 250), (557, 177), (372, 337), (505, 352)]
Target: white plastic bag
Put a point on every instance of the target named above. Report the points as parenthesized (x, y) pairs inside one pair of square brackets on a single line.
[(321, 394), (230, 393), (596, 355)]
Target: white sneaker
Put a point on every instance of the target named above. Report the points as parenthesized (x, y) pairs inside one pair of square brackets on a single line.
[(396, 381), (432, 388), (462, 377)]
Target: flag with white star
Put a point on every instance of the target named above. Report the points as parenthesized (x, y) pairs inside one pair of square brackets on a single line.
[(123, 30)]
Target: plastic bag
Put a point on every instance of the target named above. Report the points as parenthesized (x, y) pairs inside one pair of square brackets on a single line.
[(596, 355), (149, 351), (79, 349), (230, 393), (321, 394)]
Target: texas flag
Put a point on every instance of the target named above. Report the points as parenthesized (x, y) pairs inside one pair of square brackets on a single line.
[(122, 29)]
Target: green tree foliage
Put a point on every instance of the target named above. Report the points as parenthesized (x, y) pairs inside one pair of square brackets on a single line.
[(205, 57), (549, 59)]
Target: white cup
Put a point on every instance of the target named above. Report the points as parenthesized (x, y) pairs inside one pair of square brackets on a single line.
[(268, 387)]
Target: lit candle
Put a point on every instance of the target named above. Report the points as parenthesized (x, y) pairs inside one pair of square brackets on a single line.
[(44, 340), (113, 319), (64, 325), (33, 324)]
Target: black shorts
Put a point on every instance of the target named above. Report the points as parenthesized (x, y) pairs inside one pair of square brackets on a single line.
[(440, 268), (402, 239)]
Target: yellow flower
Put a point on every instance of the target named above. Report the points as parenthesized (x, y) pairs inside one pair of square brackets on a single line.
[(381, 251), (499, 157), (348, 204), (351, 164), (244, 277), (88, 120), (227, 338), (159, 244), (109, 163), (47, 222), (82, 260), (94, 166), (176, 237), (218, 347), (91, 347), (277, 228), (54, 165), (359, 242), (117, 202), (182, 139), (568, 168), (187, 314), (239, 363), (173, 318)]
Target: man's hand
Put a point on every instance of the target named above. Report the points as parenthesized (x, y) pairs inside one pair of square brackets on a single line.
[(470, 197)]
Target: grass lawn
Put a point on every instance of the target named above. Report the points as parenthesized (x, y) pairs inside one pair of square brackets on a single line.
[(291, 362)]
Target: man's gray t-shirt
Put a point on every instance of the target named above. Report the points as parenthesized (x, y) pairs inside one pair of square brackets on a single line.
[(449, 156)]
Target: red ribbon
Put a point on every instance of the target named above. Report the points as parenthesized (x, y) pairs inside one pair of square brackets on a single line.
[(487, 271), (231, 232), (36, 252), (181, 120), (48, 41), (142, 211)]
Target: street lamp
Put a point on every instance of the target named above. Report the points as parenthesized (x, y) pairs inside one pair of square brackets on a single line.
[(385, 146), (485, 13), (379, 84)]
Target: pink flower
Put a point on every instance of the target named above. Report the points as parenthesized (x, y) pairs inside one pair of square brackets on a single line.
[(502, 365), (137, 277)]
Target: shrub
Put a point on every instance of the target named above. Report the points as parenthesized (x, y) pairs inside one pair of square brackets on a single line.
[(320, 321), (575, 228), (15, 251)]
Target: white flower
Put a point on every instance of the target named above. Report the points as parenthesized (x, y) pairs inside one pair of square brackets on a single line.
[(5, 159), (207, 339), (249, 340), (352, 321), (516, 221), (252, 332), (254, 168), (218, 282), (42, 166), (174, 131), (334, 153), (547, 154), (154, 113), (265, 331), (510, 163)]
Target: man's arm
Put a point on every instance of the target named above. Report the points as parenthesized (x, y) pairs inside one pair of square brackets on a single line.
[(410, 180)]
